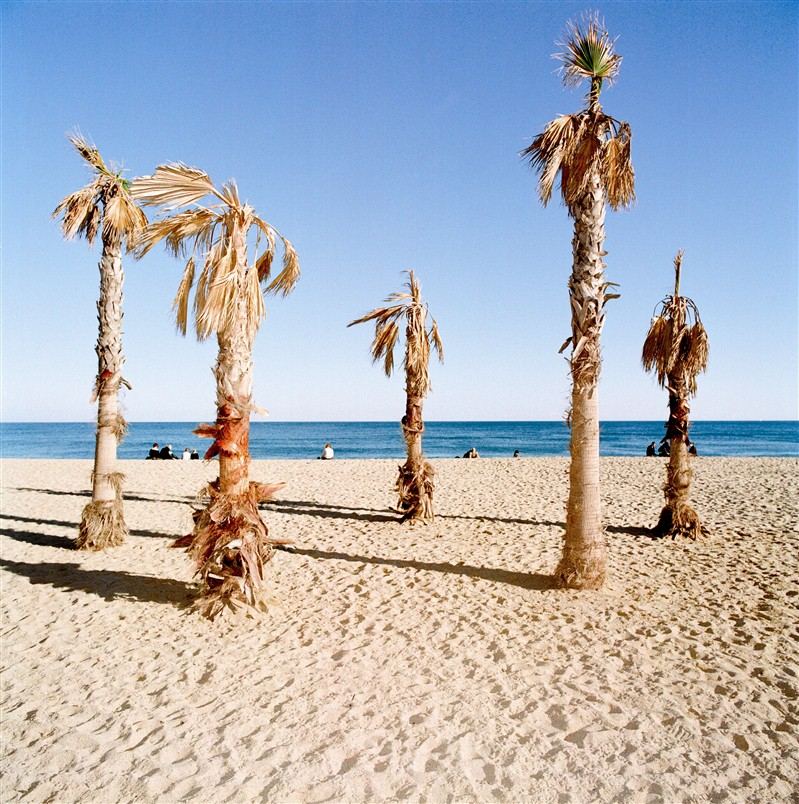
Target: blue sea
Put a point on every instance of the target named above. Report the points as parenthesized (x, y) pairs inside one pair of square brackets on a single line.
[(384, 439)]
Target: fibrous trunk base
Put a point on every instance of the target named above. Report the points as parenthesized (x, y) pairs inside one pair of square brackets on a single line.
[(415, 489), (230, 544), (581, 569), (102, 522), (680, 520)]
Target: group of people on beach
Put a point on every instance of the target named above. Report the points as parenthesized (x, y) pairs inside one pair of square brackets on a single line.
[(665, 449), (165, 453)]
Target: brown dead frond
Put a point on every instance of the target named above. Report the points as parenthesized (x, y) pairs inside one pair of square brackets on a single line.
[(410, 306), (578, 147), (415, 488), (105, 204), (230, 546), (102, 525), (216, 235), (676, 347), (174, 185)]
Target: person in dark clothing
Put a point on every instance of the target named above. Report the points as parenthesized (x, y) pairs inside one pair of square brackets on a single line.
[(665, 449), (195, 456), (650, 450), (166, 453), (691, 448), (153, 454)]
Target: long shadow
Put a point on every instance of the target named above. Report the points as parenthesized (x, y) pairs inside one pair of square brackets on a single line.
[(125, 495), (39, 539), (107, 584), (327, 512), (339, 512), (633, 530), (524, 580), (62, 523)]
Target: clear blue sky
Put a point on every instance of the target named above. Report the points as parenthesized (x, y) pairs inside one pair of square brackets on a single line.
[(385, 136)]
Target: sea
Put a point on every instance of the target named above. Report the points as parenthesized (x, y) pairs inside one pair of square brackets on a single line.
[(495, 439)]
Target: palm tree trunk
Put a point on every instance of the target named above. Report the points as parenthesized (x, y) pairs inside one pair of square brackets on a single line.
[(677, 517), (230, 542), (582, 564), (415, 482), (102, 521)]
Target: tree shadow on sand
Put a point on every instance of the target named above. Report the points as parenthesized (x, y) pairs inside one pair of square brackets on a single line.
[(522, 579), (125, 495), (330, 511), (107, 584), (385, 515), (60, 523), (634, 530)]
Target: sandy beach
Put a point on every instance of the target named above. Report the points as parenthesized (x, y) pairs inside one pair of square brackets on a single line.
[(426, 663)]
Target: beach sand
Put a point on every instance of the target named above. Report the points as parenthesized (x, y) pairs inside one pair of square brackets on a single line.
[(426, 663)]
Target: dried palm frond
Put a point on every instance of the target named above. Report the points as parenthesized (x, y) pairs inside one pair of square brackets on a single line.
[(181, 303), (415, 488), (578, 147), (285, 281), (617, 169), (174, 185), (676, 345), (105, 203), (102, 524)]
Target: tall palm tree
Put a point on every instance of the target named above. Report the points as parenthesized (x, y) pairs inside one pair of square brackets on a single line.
[(415, 481), (104, 205), (676, 348), (589, 152), (230, 542)]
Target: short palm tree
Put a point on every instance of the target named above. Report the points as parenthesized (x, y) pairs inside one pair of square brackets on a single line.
[(230, 542), (676, 348), (104, 205), (415, 481), (589, 152)]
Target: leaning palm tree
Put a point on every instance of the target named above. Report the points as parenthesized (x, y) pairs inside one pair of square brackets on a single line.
[(589, 152), (676, 348), (104, 205), (230, 542), (415, 481)]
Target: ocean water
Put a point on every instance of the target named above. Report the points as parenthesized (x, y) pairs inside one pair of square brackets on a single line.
[(384, 439)]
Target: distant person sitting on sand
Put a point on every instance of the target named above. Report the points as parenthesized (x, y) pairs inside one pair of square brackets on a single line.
[(471, 453), (665, 449), (195, 456), (327, 452), (650, 450), (153, 454), (186, 456), (166, 453), (517, 454), (691, 448)]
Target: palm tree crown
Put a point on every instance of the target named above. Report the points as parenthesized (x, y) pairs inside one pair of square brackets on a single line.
[(575, 146), (104, 202), (419, 337), (218, 231), (677, 341)]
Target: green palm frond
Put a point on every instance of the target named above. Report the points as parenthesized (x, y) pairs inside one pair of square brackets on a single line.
[(588, 52)]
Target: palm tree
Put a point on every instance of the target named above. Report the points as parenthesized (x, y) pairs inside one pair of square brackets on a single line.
[(230, 542), (415, 481), (590, 152), (676, 348), (104, 205)]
